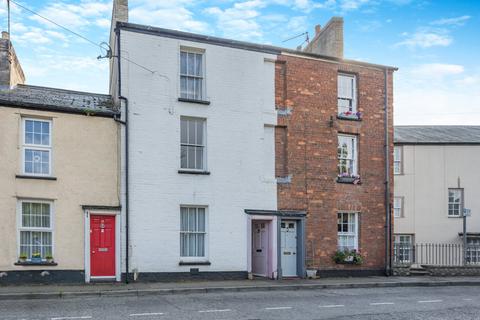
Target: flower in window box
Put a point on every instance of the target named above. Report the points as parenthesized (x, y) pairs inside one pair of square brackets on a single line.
[(350, 115), (36, 257), (347, 177), (22, 257), (49, 258), (347, 257)]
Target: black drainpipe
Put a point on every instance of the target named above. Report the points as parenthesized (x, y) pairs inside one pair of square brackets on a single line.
[(125, 123), (388, 223)]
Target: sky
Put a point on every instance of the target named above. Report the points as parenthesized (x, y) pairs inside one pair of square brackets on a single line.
[(435, 44)]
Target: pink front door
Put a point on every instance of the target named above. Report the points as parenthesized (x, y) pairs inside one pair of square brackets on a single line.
[(102, 246), (260, 248)]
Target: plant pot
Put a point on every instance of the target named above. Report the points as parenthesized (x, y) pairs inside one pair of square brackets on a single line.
[(36, 259), (311, 273), (22, 260), (50, 260)]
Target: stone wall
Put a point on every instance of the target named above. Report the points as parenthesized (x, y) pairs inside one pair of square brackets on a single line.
[(439, 271)]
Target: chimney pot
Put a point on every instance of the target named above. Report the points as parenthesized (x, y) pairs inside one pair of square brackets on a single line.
[(5, 35), (317, 29)]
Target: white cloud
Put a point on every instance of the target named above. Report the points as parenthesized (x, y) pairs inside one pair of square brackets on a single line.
[(172, 14), (437, 70), (239, 21), (76, 16), (457, 21), (103, 22), (347, 5), (437, 94), (426, 38)]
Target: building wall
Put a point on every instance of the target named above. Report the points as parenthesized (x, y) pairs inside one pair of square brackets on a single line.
[(84, 161), (240, 150), (309, 155), (428, 172)]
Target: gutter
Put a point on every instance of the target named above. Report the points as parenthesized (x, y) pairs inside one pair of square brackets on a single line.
[(125, 123), (388, 222)]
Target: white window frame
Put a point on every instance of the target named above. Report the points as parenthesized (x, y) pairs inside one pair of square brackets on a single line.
[(20, 227), (353, 233), (203, 258), (398, 207), (204, 145), (202, 77), (460, 213), (354, 158), (37, 147), (398, 160), (473, 250), (353, 100), (406, 250)]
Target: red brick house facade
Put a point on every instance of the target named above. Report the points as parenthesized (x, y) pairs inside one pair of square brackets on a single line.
[(307, 164)]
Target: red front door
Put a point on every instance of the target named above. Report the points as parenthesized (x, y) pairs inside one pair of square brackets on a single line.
[(102, 246)]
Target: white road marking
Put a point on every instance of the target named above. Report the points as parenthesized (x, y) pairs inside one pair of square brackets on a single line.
[(215, 310), (467, 299), (278, 308), (381, 303), (67, 318), (332, 306), (146, 314), (430, 301)]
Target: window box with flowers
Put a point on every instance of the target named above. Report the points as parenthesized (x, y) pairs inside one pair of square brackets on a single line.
[(348, 257), (349, 115), (347, 178)]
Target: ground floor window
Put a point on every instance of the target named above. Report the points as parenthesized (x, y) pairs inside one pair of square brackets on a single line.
[(35, 229), (347, 231), (473, 250), (193, 231), (403, 248)]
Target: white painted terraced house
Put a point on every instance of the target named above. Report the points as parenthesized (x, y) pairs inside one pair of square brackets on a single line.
[(201, 118)]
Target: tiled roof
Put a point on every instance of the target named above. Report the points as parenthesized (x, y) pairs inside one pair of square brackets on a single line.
[(52, 99), (437, 134)]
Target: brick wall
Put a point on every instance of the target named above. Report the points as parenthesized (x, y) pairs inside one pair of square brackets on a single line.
[(307, 150)]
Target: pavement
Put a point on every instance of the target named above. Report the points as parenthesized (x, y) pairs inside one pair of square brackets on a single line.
[(397, 303), (51, 291)]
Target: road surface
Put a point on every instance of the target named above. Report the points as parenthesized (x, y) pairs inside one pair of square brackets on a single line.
[(376, 303)]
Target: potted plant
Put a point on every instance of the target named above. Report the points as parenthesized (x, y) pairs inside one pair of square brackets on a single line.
[(49, 258), (22, 258), (36, 257), (348, 178), (347, 257)]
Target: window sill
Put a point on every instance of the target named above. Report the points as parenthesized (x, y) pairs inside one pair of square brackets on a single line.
[(349, 180), (29, 263), (194, 263), (455, 217), (194, 101), (194, 172), (25, 176), (353, 118)]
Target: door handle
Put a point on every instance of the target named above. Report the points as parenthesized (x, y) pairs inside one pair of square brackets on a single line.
[(93, 251)]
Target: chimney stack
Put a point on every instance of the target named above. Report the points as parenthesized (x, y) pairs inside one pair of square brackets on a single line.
[(328, 41), (11, 72)]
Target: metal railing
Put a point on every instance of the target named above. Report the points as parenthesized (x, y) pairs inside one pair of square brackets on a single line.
[(435, 254)]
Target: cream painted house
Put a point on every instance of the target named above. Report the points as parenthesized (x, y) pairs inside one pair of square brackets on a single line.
[(435, 178), (59, 174)]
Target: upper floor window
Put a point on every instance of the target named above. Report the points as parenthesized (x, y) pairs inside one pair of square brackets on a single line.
[(347, 231), (397, 160), (347, 155), (347, 96), (191, 75), (37, 147), (192, 143), (35, 229), (455, 202), (398, 207)]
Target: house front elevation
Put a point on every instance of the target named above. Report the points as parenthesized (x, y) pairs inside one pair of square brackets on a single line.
[(58, 184)]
